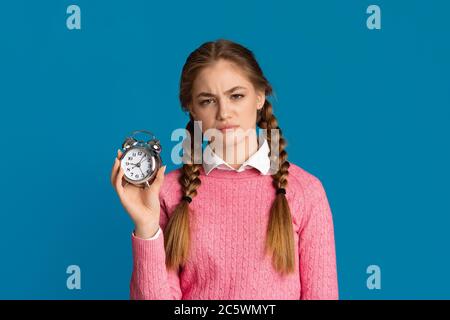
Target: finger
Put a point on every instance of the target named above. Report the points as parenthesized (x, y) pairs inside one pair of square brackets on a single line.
[(118, 181), (156, 185), (115, 170), (119, 154)]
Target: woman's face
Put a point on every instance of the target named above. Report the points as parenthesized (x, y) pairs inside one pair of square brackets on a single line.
[(222, 96)]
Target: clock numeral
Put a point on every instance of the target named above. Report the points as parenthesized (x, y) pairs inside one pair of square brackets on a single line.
[(128, 169), (130, 158), (139, 153), (134, 154)]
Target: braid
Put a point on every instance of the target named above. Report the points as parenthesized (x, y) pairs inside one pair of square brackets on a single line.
[(280, 238), (177, 232), (268, 121), (189, 179)]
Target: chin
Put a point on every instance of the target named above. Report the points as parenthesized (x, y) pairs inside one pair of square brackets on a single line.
[(232, 139)]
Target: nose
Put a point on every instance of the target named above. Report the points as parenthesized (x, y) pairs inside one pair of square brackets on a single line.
[(223, 112)]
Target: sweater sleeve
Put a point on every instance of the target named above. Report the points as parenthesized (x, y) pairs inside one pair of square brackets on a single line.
[(151, 280), (317, 255)]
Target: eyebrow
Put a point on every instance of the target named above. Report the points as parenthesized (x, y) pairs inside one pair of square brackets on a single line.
[(207, 94)]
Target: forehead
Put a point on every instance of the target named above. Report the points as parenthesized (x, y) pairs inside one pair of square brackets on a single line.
[(221, 75)]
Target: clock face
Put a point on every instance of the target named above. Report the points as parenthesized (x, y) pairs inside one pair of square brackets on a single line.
[(138, 164)]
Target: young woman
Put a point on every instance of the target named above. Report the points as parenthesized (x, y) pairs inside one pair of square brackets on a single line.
[(231, 227)]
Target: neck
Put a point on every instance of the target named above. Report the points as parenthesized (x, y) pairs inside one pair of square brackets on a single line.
[(235, 154)]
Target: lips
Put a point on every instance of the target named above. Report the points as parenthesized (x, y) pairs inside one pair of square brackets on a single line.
[(228, 127)]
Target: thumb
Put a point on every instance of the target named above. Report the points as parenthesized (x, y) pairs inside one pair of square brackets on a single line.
[(159, 179)]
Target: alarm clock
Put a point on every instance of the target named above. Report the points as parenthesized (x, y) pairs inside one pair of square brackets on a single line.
[(141, 159)]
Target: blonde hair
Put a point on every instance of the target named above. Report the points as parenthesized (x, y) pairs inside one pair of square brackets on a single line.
[(279, 238)]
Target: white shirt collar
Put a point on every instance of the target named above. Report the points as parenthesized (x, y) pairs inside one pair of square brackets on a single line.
[(259, 160)]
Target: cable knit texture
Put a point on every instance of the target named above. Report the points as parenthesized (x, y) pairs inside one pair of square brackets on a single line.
[(228, 220)]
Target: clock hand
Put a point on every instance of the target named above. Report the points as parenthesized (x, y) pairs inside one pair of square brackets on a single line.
[(134, 164), (141, 158)]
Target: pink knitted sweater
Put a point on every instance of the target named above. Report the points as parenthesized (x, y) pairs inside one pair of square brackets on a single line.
[(229, 217)]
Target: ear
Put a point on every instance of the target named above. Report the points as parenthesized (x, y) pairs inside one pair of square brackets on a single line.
[(261, 99)]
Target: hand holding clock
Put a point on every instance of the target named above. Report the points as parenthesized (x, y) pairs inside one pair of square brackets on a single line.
[(142, 204)]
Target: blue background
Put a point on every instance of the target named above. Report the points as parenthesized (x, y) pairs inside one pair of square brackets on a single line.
[(366, 111)]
